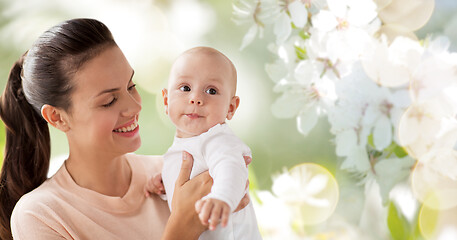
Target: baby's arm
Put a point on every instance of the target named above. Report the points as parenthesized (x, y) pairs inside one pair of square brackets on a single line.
[(224, 157)]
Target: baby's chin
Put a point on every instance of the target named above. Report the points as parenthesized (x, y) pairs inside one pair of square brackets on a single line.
[(189, 134)]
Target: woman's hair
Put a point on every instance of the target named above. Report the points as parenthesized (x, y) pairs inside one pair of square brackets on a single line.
[(41, 76)]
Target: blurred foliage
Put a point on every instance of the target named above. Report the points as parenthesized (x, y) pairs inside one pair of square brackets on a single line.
[(399, 226)]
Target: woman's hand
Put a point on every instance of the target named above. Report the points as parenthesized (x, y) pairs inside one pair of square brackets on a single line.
[(245, 200), (184, 222)]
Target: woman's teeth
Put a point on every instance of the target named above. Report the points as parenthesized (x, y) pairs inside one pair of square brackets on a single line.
[(128, 128)]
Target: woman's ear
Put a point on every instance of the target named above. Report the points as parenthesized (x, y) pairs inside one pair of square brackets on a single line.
[(56, 117), (165, 99), (234, 103)]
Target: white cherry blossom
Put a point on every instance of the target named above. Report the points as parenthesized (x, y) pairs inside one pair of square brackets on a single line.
[(403, 17), (389, 98), (257, 14), (392, 65), (309, 190)]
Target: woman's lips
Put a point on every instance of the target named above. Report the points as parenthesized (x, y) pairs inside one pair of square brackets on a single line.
[(131, 133)]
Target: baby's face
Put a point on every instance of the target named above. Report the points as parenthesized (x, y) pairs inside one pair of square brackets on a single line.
[(200, 93)]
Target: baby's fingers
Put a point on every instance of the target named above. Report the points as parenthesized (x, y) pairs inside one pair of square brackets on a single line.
[(205, 212), (198, 206), (225, 216), (158, 184), (215, 217)]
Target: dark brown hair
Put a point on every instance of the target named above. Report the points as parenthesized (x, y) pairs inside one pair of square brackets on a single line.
[(41, 76)]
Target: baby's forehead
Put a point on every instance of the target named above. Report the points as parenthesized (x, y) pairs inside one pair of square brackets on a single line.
[(206, 52), (215, 56), (188, 55)]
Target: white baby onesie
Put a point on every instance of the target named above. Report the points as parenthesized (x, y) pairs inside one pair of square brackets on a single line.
[(221, 152)]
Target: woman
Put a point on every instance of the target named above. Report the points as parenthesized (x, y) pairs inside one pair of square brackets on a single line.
[(76, 79)]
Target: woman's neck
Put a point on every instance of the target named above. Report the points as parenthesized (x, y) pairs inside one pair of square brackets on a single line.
[(109, 176)]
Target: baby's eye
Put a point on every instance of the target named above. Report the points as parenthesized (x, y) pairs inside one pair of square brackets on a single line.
[(211, 91), (185, 88)]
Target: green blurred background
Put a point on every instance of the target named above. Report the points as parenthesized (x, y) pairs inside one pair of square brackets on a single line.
[(152, 33)]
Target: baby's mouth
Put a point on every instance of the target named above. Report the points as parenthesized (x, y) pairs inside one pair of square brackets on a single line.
[(193, 115)]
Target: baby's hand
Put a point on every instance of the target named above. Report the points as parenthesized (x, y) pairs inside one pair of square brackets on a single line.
[(154, 185), (212, 211)]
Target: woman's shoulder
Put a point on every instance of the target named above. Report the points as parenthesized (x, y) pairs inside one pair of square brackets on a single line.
[(44, 195), (36, 208)]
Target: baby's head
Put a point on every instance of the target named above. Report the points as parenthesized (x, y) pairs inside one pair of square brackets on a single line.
[(201, 91)]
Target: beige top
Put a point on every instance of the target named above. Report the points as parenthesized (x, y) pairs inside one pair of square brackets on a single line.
[(60, 209)]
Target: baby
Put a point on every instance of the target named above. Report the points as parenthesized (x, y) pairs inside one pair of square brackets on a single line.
[(200, 97)]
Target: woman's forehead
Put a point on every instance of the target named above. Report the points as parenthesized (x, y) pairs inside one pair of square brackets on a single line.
[(109, 69)]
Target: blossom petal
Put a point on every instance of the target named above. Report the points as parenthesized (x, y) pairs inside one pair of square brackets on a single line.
[(382, 3), (345, 141), (361, 12), (410, 14), (338, 8), (391, 31), (277, 70), (306, 71), (282, 28), (391, 171), (324, 21), (249, 37), (298, 13), (306, 120), (316, 184), (382, 133), (288, 105), (357, 160), (318, 202)]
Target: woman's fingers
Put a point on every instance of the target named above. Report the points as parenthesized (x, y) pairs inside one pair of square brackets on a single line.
[(186, 168), (205, 182), (243, 203), (247, 160)]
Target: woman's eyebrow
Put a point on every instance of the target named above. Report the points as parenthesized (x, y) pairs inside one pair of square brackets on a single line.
[(114, 89)]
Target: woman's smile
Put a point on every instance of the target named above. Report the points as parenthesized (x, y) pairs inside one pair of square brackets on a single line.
[(129, 129)]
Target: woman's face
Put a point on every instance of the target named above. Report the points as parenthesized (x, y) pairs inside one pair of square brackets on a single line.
[(105, 106)]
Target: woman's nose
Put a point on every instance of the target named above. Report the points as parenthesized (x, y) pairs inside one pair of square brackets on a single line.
[(133, 107)]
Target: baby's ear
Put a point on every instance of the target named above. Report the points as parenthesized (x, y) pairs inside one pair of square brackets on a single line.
[(234, 103), (165, 99)]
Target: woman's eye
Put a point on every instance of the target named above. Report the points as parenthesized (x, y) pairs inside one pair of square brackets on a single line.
[(185, 88), (132, 87), (211, 91), (110, 103)]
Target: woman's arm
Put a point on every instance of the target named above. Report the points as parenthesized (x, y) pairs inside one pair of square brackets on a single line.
[(184, 222)]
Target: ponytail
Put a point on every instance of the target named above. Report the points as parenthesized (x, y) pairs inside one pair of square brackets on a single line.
[(46, 77), (27, 150)]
